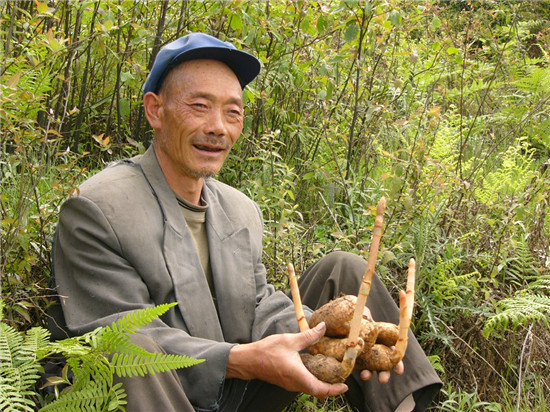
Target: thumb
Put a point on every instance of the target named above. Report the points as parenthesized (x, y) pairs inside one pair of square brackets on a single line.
[(310, 336)]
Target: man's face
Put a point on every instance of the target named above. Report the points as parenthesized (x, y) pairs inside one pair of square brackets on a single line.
[(200, 118)]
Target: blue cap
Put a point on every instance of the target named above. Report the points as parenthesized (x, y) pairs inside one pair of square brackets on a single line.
[(201, 46)]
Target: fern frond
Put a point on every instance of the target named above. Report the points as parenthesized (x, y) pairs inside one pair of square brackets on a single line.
[(510, 177), (523, 264), (23, 376), (19, 367), (91, 398), (88, 357), (115, 338), (10, 342), (540, 283), (536, 82), (444, 268), (74, 346), (11, 401), (520, 310), (93, 367), (36, 346), (134, 365), (117, 398), (133, 321), (112, 341), (12, 398)]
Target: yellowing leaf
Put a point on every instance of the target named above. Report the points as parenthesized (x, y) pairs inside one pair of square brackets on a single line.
[(434, 111), (12, 82), (99, 138), (49, 35), (26, 95), (55, 132), (107, 25), (41, 7)]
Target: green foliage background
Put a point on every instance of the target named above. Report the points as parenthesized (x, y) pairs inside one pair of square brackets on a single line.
[(441, 106)]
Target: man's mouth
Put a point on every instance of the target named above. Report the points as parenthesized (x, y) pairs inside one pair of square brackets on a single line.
[(213, 149)]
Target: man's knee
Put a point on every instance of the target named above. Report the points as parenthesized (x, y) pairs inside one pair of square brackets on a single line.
[(345, 269), (335, 274), (340, 257)]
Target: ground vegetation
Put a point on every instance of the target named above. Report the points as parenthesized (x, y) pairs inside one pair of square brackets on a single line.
[(442, 107)]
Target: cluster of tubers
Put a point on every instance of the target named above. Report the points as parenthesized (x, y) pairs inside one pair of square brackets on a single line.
[(351, 340)]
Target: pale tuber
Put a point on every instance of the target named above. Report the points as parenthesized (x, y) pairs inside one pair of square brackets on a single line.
[(352, 341)]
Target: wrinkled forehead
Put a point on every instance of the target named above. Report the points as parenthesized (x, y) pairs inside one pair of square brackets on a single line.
[(204, 76), (200, 69)]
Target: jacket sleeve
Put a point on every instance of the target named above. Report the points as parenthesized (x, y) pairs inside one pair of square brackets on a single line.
[(98, 284)]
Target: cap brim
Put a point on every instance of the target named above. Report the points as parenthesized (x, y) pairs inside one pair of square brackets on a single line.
[(245, 66)]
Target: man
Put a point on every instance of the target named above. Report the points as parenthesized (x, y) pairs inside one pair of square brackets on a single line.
[(159, 228)]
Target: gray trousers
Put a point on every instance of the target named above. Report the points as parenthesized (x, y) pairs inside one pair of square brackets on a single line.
[(335, 274)]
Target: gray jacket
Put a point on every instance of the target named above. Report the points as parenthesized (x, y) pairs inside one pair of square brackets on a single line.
[(122, 244)]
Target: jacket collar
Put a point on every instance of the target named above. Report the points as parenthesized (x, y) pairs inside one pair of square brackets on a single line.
[(183, 263), (230, 259), (224, 226)]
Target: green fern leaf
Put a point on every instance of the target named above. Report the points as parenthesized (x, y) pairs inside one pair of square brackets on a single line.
[(540, 284), (10, 342), (134, 365), (88, 357), (536, 82), (94, 367), (36, 344), (13, 400), (115, 338), (19, 366), (520, 310), (512, 176), (117, 400), (136, 320), (92, 398)]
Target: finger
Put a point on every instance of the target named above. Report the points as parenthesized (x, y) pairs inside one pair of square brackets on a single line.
[(310, 336), (399, 369), (366, 375), (327, 390), (384, 376)]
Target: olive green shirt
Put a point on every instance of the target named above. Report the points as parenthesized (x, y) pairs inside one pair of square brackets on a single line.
[(195, 217)]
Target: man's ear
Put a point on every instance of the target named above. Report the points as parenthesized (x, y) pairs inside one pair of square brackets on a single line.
[(152, 103)]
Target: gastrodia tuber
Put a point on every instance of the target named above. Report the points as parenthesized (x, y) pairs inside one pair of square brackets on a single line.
[(352, 341)]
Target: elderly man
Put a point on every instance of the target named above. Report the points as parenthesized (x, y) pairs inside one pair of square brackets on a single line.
[(159, 228)]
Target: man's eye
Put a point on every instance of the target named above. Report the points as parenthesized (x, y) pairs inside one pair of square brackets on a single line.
[(235, 112)]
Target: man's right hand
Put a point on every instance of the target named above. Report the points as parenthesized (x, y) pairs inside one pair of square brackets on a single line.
[(276, 359)]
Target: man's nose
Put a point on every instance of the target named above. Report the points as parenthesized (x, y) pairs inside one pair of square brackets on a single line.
[(216, 124)]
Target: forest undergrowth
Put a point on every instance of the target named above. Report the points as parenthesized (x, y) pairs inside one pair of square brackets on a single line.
[(442, 107)]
